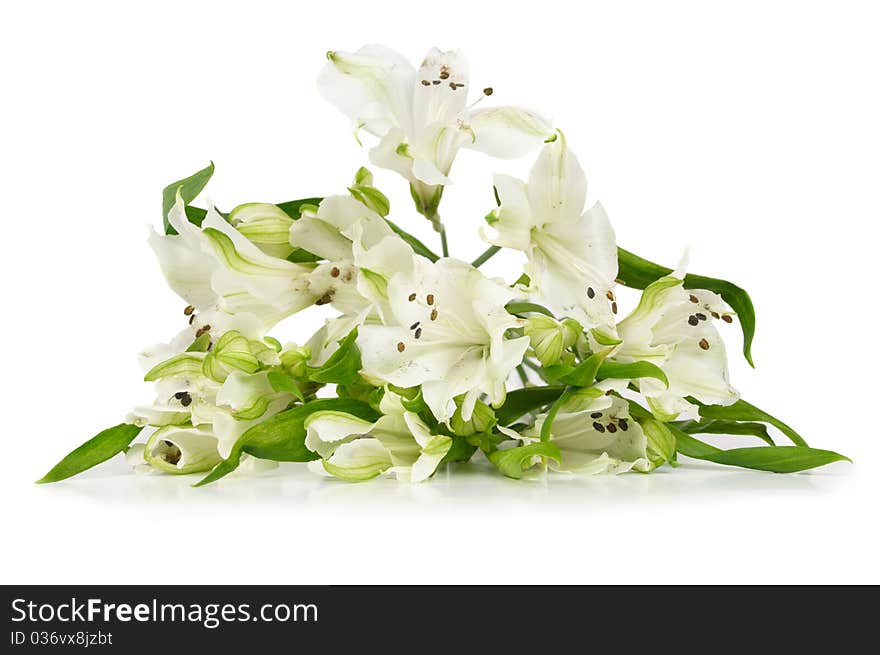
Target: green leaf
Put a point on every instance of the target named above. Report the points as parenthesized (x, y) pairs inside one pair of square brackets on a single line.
[(283, 383), (343, 366), (293, 208), (523, 401), (282, 437), (513, 461), (743, 411), (777, 459), (547, 426), (582, 375), (758, 430), (418, 247), (527, 308), (630, 371), (98, 449), (633, 271), (189, 187)]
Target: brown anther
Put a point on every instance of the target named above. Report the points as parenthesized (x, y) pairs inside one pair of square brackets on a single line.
[(412, 297), (623, 424), (614, 308), (200, 332), (418, 333), (192, 317), (401, 346), (414, 325), (334, 272), (704, 344), (426, 83), (435, 82), (434, 314), (430, 299), (693, 320), (716, 315), (453, 86), (598, 427), (488, 91), (727, 318), (444, 74), (617, 280), (701, 316), (189, 310), (347, 276), (693, 298), (591, 293), (596, 415), (326, 298), (210, 346), (609, 295), (611, 428)]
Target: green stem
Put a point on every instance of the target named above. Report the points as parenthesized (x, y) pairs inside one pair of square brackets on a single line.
[(486, 256), (443, 243)]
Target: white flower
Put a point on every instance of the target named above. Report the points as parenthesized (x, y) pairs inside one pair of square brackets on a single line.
[(572, 254), (422, 116), (218, 271), (362, 253), (600, 438), (673, 328), (445, 331), (399, 443)]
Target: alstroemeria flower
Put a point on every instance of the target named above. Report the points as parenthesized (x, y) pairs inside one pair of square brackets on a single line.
[(445, 331), (220, 273), (599, 438), (672, 327), (422, 116), (222, 391), (399, 443), (362, 254), (572, 253)]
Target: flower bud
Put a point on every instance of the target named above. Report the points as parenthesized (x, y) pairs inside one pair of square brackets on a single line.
[(295, 359), (265, 225), (547, 338), (661, 442), (482, 420)]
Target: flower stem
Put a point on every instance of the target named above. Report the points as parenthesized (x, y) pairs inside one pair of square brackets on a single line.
[(486, 256), (443, 243)]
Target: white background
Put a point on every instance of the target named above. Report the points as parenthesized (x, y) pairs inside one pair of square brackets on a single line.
[(748, 131)]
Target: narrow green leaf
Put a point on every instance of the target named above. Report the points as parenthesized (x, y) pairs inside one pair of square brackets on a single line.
[(527, 308), (743, 411), (630, 371), (523, 401), (283, 383), (282, 437), (776, 459), (636, 272), (98, 449), (758, 430), (189, 187), (513, 461), (343, 366), (547, 426), (418, 247)]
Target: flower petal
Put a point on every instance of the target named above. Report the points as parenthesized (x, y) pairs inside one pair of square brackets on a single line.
[(507, 132)]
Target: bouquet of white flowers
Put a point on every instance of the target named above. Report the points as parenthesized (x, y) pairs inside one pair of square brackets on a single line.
[(427, 360)]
